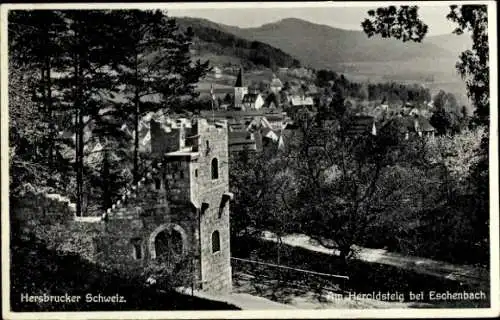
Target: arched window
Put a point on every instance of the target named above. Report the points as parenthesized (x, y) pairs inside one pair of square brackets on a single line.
[(215, 241), (136, 248), (196, 173), (215, 169), (208, 147)]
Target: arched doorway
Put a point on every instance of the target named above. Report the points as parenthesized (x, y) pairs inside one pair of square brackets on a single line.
[(168, 242), (168, 245)]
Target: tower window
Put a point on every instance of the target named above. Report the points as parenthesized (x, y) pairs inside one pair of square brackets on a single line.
[(181, 174), (157, 184), (196, 173), (137, 248), (208, 147), (215, 241), (215, 169)]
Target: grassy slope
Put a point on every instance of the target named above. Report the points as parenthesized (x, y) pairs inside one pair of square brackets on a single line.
[(36, 270)]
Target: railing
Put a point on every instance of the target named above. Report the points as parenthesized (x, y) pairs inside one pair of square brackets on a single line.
[(342, 278)]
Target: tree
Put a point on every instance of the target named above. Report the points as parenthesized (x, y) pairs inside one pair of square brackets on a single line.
[(88, 82), (474, 64), (444, 118), (155, 68), (35, 40), (338, 179), (228, 98), (27, 133)]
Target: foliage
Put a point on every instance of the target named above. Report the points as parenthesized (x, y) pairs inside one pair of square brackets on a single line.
[(474, 64), (401, 23), (441, 120), (389, 91), (374, 191), (263, 190)]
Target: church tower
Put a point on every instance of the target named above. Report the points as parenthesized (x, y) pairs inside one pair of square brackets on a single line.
[(239, 91)]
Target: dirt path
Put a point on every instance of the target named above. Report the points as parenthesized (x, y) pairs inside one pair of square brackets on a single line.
[(289, 293), (473, 276), (240, 298)]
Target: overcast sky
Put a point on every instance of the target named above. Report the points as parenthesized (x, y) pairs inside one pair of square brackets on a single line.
[(257, 14)]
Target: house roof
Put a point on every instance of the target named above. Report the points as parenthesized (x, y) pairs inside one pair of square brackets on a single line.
[(360, 125), (425, 125), (276, 82), (239, 136), (250, 97), (301, 101), (406, 124)]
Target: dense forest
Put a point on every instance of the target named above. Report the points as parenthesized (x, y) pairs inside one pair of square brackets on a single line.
[(217, 41), (385, 91)]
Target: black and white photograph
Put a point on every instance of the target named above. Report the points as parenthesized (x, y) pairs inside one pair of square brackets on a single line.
[(249, 160)]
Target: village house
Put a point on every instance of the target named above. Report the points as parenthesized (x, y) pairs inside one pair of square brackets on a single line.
[(360, 125), (275, 85), (300, 101), (216, 72), (252, 101), (254, 121), (412, 125), (283, 70)]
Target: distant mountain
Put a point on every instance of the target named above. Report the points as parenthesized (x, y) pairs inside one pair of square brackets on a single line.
[(322, 46), (359, 58), (452, 42), (213, 41)]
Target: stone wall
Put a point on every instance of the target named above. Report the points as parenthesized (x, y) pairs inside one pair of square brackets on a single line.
[(162, 141), (41, 207), (183, 195), (51, 217)]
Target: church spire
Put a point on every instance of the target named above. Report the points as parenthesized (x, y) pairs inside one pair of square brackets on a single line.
[(239, 82)]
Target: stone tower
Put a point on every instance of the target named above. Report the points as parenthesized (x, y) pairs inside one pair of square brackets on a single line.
[(239, 91), (179, 212)]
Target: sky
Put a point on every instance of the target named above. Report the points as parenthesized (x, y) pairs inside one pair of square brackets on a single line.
[(257, 14)]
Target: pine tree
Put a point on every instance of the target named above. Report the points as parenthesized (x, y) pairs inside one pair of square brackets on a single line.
[(89, 84), (34, 38), (156, 69)]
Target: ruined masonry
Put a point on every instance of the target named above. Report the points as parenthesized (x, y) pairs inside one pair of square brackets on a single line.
[(179, 211)]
